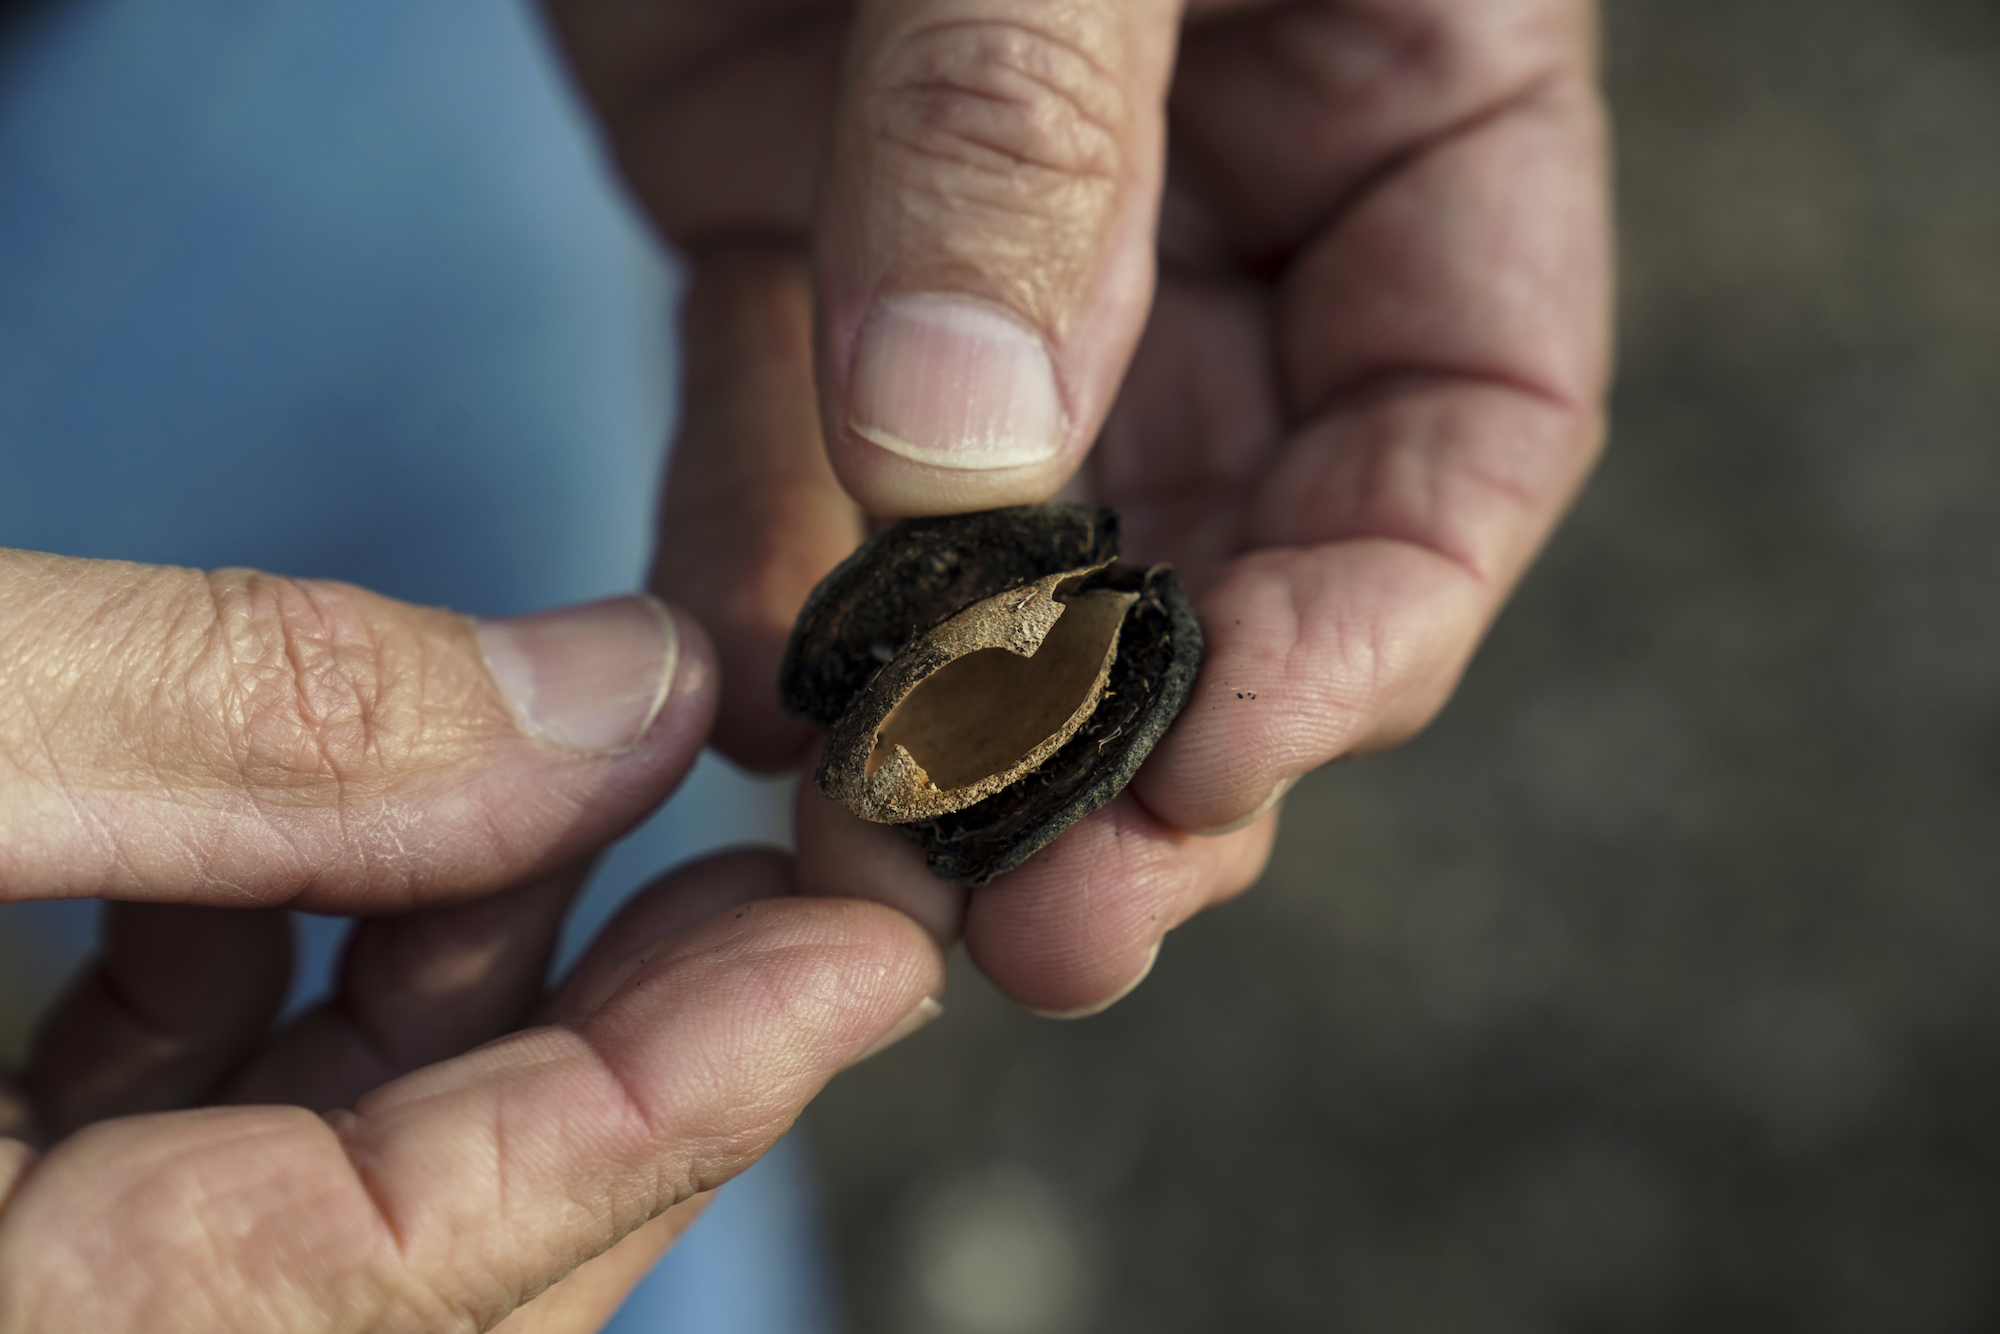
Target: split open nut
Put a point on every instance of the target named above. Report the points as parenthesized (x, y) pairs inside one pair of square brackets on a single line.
[(986, 680)]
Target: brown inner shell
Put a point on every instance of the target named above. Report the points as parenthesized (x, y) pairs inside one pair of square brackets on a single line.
[(978, 702), (972, 718)]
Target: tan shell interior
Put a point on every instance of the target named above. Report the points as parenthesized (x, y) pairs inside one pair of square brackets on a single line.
[(981, 714)]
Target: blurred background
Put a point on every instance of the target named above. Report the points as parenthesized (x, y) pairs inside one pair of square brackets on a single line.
[(1656, 987)]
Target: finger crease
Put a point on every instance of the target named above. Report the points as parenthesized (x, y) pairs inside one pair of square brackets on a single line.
[(1528, 93)]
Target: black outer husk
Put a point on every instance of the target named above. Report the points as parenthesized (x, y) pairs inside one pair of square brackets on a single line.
[(916, 574), (1159, 653)]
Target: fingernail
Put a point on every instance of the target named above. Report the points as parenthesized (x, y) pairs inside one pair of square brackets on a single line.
[(927, 1010), (1277, 795), (588, 678), (958, 385), (1085, 1011)]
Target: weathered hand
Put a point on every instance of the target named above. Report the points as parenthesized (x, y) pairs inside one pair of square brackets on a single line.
[(206, 749), (1316, 293)]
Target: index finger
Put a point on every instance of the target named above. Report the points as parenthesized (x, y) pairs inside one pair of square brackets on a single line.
[(1442, 333)]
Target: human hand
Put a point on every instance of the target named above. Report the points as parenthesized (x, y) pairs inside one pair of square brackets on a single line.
[(205, 750), (1346, 387)]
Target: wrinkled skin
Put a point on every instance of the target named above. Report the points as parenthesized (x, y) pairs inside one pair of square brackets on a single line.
[(1346, 386), (206, 749), (1332, 335)]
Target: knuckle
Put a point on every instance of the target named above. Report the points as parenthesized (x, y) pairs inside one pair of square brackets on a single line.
[(316, 690), (1005, 115)]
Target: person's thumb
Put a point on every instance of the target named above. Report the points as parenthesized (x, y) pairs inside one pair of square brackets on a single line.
[(237, 738), (985, 245)]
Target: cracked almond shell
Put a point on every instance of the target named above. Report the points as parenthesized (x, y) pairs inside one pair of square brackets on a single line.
[(986, 680)]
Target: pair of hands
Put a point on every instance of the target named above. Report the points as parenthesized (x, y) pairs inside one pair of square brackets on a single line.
[(1335, 349)]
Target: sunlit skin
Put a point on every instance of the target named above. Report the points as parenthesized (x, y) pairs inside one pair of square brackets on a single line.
[(205, 748), (1371, 347), (1346, 386)]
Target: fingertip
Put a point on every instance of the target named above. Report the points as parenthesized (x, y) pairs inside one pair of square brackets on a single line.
[(594, 678), (1160, 797), (653, 766), (1072, 927), (730, 902), (956, 384), (843, 856), (1099, 1007), (618, 694), (923, 1014), (836, 975), (1234, 750), (671, 903), (1312, 654), (890, 486), (984, 251), (952, 405), (692, 693), (1078, 926), (312, 743)]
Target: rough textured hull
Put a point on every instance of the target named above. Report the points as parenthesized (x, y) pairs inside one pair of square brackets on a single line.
[(914, 575)]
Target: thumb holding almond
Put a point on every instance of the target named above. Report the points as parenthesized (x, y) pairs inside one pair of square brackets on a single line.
[(985, 257), (243, 740)]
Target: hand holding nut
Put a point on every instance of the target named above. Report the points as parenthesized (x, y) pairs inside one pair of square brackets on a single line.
[(1315, 295), (989, 679)]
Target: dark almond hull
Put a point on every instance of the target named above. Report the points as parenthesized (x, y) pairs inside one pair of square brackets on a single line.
[(1147, 689), (911, 577)]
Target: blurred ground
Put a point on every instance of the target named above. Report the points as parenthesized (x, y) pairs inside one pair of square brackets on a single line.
[(1658, 986)]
